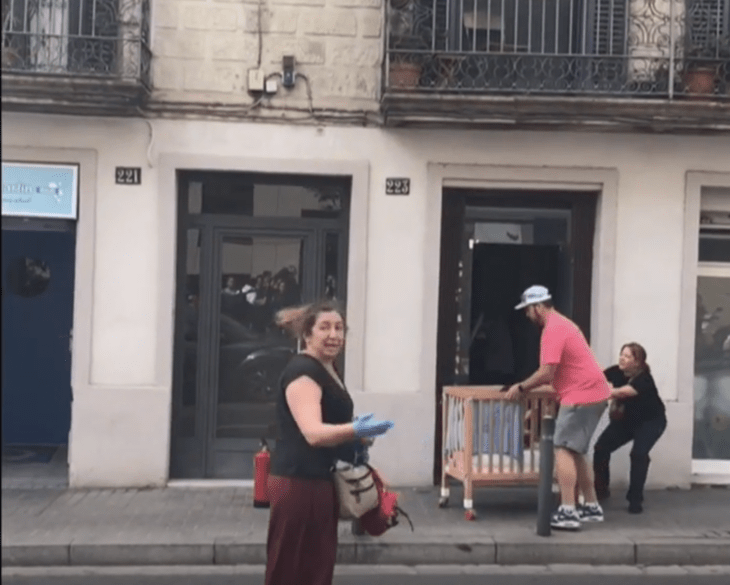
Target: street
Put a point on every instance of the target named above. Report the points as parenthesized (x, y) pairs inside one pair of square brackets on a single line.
[(368, 575)]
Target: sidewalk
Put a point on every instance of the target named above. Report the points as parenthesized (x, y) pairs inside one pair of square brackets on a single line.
[(220, 526)]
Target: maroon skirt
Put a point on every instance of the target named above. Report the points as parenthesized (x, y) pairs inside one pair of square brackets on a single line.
[(301, 547)]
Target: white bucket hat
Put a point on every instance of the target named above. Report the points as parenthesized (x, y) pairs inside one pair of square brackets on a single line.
[(533, 295)]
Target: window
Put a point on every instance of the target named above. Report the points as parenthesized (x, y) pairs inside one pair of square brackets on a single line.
[(707, 25), (263, 195), (714, 245), (80, 36)]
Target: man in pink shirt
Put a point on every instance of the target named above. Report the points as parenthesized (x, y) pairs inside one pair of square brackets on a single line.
[(568, 364)]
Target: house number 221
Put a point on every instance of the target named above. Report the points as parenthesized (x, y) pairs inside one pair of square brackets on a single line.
[(128, 176)]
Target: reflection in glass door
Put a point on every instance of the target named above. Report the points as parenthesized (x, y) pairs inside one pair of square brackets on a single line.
[(711, 438), (258, 275)]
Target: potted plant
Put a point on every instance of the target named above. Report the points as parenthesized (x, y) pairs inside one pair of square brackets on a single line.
[(703, 48), (404, 43), (8, 54), (701, 66), (404, 70), (14, 37)]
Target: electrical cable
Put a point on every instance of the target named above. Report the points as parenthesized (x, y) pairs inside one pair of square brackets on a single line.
[(309, 91), (260, 34), (151, 138)]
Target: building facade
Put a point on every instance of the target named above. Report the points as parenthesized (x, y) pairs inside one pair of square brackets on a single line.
[(233, 157)]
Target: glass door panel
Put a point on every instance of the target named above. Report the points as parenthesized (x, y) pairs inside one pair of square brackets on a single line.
[(332, 281), (711, 440), (188, 435), (187, 423), (259, 274)]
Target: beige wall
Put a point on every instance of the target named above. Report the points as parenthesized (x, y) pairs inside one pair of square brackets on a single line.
[(120, 420), (204, 48)]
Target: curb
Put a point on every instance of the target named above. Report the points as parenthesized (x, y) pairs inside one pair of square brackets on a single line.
[(616, 551)]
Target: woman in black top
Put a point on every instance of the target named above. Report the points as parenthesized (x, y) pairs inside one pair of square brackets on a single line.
[(314, 414), (641, 419)]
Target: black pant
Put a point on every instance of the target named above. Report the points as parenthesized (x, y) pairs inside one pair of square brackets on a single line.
[(617, 434)]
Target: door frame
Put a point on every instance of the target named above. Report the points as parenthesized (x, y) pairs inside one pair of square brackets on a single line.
[(711, 470), (604, 180), (213, 227), (583, 206), (703, 190)]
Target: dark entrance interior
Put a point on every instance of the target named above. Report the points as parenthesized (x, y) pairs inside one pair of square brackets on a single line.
[(38, 258), (503, 344), (249, 244), (494, 244)]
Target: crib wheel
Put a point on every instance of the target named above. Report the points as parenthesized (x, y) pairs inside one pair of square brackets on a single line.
[(470, 515), (443, 502)]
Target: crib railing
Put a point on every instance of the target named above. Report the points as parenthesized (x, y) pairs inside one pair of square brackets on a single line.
[(488, 440)]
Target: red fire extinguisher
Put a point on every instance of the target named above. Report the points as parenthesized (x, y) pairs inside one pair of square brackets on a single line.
[(262, 463)]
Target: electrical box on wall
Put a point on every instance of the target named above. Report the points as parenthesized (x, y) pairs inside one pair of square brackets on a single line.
[(271, 86), (256, 80), (288, 76)]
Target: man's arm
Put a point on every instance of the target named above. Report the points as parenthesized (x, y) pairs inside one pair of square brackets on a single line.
[(543, 375)]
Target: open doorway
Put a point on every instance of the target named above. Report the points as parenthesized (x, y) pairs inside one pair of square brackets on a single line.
[(495, 244), (502, 345)]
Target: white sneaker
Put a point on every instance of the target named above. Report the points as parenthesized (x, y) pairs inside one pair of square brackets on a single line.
[(563, 519), (592, 513)]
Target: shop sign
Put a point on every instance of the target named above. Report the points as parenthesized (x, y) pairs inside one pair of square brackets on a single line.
[(40, 190)]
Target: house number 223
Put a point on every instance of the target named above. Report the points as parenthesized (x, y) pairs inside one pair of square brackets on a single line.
[(397, 186), (128, 176)]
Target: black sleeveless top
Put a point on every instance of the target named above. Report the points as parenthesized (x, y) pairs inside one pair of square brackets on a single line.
[(293, 456)]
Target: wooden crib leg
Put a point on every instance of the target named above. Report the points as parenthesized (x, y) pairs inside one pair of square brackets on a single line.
[(469, 513), (444, 499)]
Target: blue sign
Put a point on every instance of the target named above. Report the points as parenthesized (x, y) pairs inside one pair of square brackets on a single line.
[(40, 190)]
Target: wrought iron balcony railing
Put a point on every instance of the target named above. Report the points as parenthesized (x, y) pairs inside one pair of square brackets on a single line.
[(639, 48), (93, 39)]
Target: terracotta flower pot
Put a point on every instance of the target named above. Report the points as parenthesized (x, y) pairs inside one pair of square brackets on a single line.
[(700, 82), (10, 57), (404, 75)]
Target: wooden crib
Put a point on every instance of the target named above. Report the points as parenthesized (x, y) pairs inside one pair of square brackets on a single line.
[(490, 441)]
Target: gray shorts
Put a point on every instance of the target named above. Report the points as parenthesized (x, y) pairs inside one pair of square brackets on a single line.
[(576, 424)]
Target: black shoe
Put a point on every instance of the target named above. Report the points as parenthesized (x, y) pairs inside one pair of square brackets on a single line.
[(635, 508)]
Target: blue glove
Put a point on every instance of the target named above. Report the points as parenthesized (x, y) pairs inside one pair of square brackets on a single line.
[(365, 426)]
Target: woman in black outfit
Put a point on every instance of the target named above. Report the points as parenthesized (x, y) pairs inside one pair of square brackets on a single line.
[(642, 421), (314, 414)]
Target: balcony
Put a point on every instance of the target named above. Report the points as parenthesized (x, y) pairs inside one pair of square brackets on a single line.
[(659, 65), (75, 56)]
